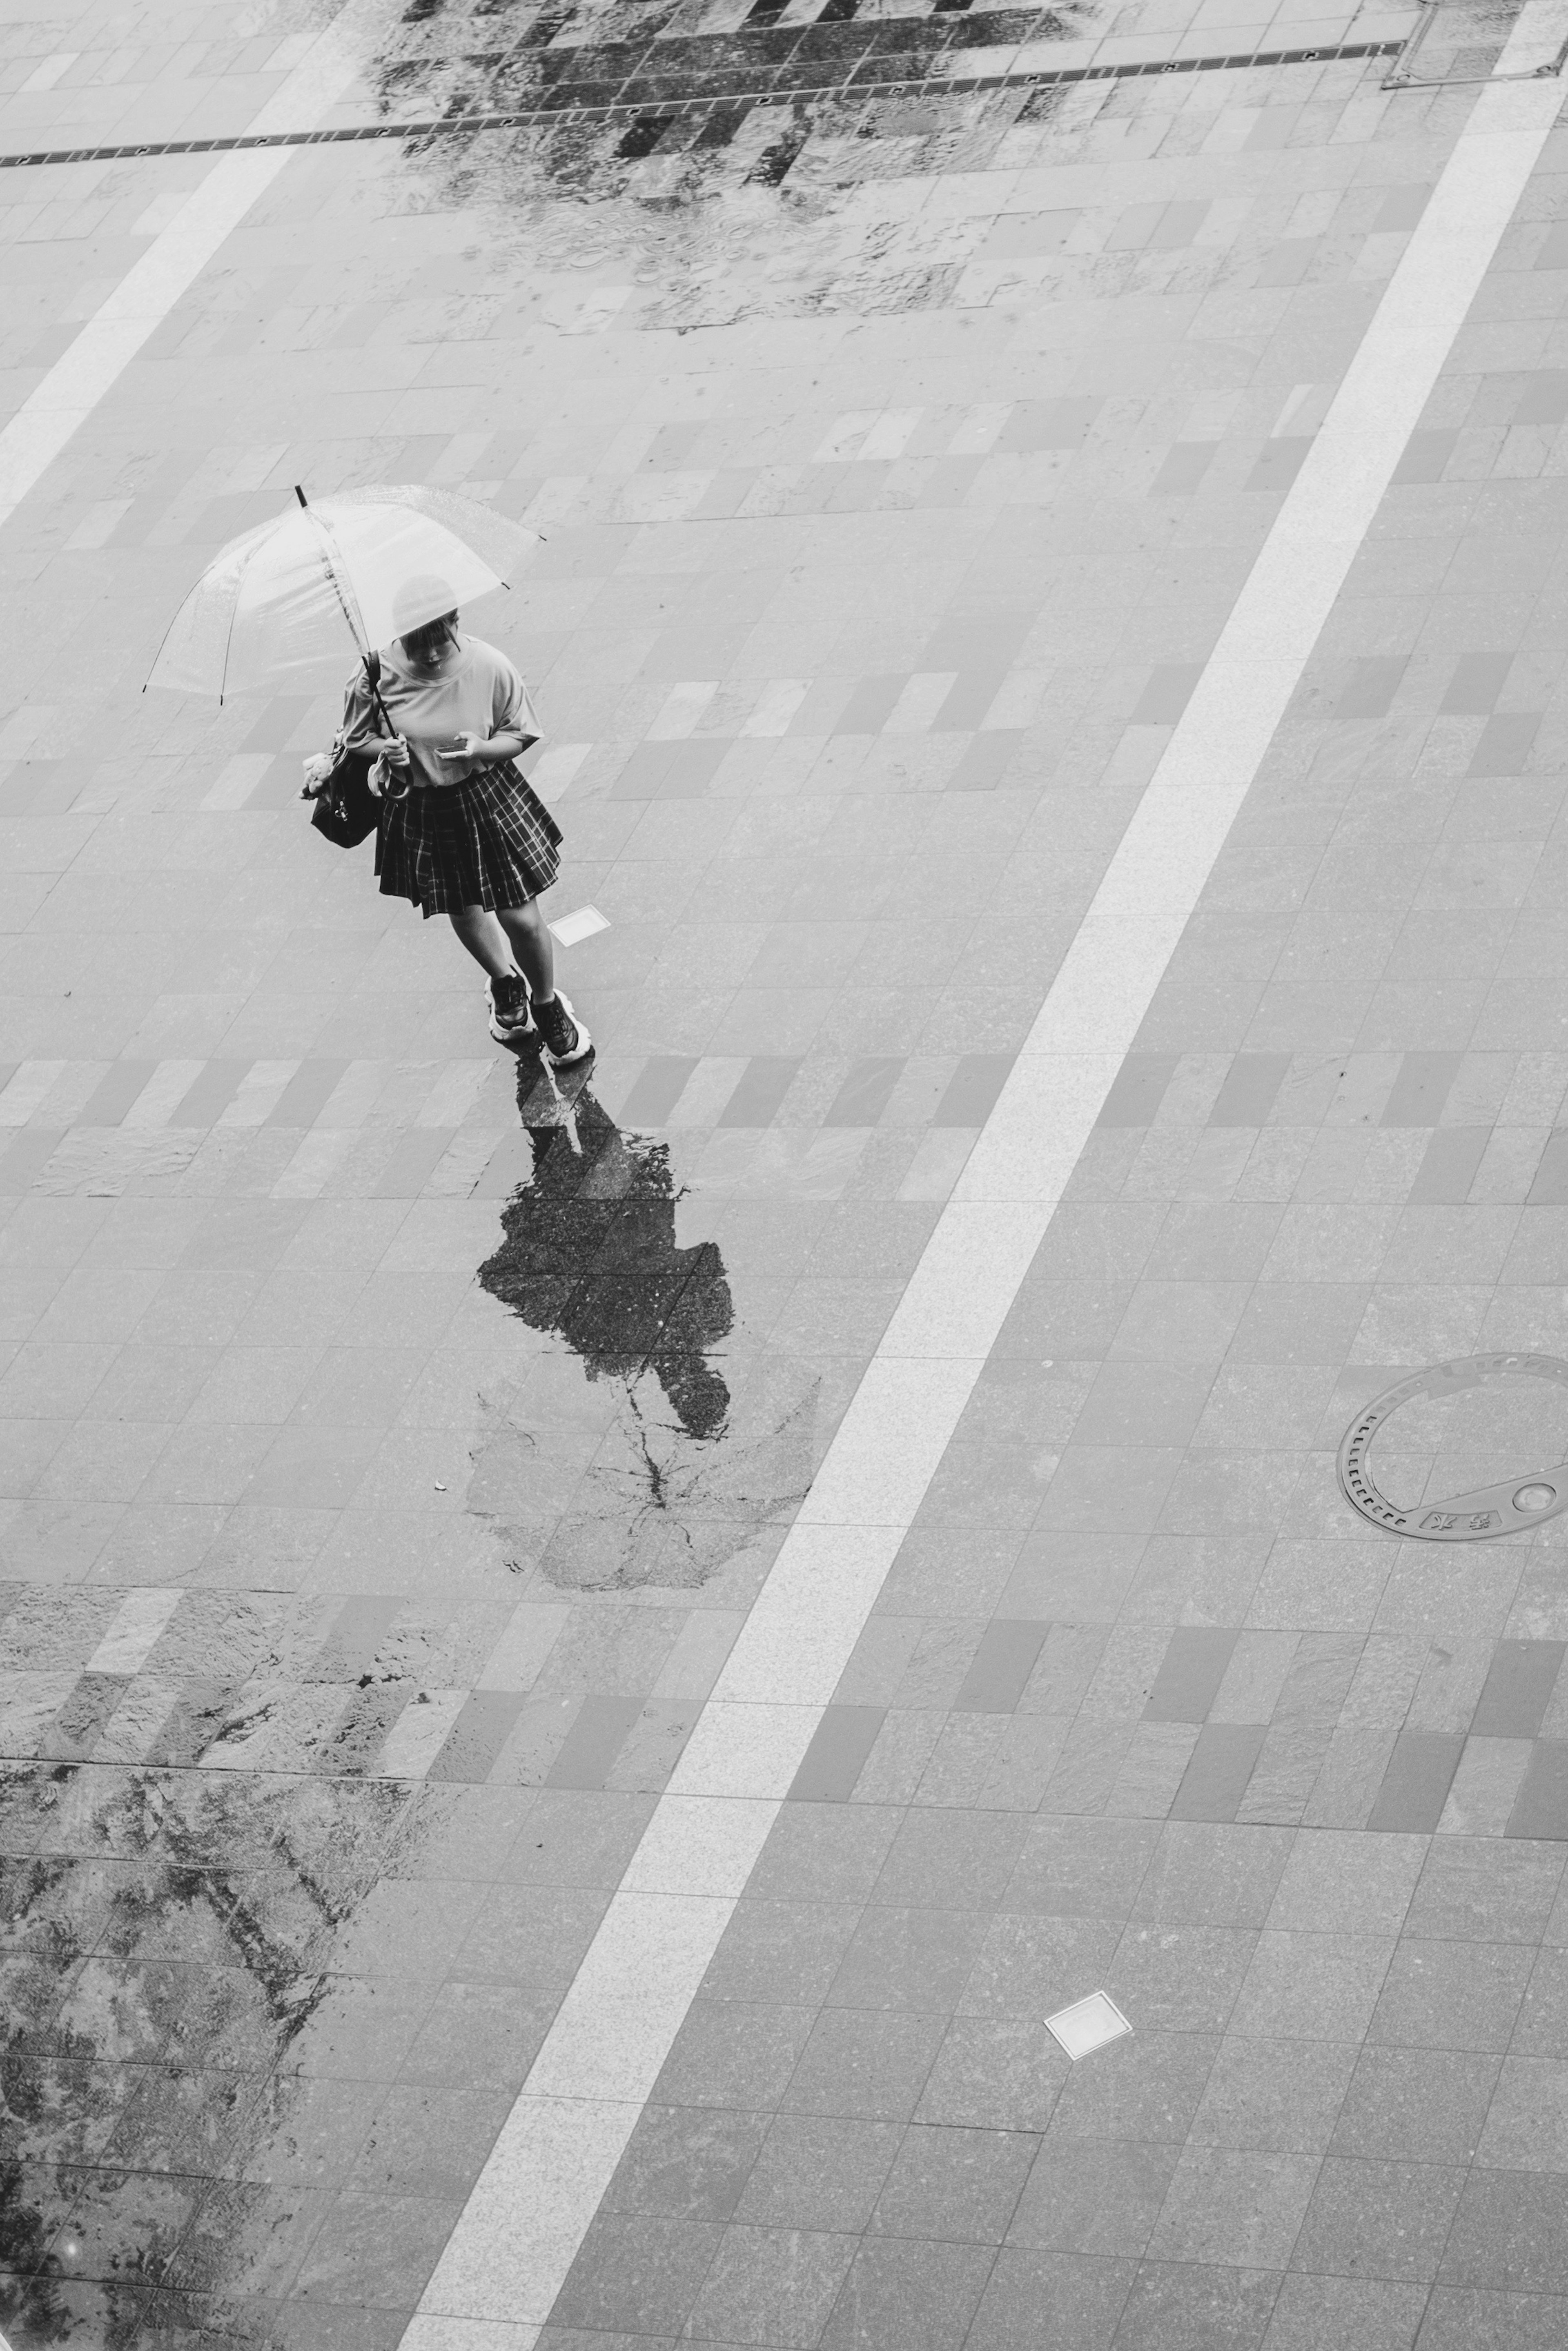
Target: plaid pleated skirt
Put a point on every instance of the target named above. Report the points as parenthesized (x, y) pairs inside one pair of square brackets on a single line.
[(490, 842)]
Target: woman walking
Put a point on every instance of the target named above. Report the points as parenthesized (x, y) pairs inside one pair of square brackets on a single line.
[(463, 833)]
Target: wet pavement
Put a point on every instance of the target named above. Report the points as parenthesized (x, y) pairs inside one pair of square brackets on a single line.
[(687, 1466), (396, 1437)]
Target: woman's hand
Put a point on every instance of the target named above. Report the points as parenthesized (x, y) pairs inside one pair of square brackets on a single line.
[(388, 777), (474, 748)]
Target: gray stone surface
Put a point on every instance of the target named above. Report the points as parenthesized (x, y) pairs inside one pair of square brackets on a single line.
[(895, 489)]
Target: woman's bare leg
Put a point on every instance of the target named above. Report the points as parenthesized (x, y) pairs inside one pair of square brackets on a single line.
[(485, 939), (526, 932)]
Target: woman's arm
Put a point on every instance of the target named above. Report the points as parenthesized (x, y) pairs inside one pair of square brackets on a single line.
[(362, 725), (488, 751)]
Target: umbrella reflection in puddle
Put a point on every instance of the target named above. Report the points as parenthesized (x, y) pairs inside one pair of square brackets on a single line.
[(702, 1436)]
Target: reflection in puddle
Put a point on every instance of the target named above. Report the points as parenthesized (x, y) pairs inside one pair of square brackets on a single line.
[(167, 1937), (722, 184), (591, 1254), (645, 56), (701, 1448)]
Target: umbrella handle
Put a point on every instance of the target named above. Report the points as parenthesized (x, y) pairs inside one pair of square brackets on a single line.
[(373, 661)]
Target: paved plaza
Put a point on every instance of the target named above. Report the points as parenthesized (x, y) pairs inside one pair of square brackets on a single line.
[(587, 1655)]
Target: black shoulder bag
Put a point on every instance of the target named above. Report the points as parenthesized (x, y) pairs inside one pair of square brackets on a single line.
[(347, 811)]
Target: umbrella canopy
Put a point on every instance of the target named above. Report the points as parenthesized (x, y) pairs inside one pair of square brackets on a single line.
[(290, 604)]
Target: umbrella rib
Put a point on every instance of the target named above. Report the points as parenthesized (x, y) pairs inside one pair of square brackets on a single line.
[(354, 617), (228, 641), (163, 641), (289, 601)]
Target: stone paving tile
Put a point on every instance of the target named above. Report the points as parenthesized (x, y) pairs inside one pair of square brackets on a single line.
[(334, 1699)]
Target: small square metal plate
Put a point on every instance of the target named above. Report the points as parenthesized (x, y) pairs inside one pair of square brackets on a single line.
[(572, 929), (1088, 2024)]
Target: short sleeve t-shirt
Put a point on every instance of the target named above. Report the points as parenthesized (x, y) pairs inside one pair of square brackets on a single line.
[(481, 694)]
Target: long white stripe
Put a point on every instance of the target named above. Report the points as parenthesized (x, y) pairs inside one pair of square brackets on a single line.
[(511, 2252), (110, 338)]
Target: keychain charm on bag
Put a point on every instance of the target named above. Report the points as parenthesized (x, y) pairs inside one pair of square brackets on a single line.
[(344, 784)]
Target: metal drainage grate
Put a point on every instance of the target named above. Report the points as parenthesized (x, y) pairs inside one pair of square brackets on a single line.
[(570, 110), (1526, 1500)]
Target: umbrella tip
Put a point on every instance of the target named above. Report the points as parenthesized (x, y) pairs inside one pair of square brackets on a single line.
[(300, 494)]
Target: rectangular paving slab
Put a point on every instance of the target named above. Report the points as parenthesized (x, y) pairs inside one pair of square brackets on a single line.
[(396, 1435)]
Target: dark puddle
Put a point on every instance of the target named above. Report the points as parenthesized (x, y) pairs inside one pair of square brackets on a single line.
[(195, 2051), (718, 184), (590, 1255), (706, 1436), (165, 1939), (451, 58)]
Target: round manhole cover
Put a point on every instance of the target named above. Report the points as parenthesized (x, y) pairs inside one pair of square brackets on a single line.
[(1524, 1500)]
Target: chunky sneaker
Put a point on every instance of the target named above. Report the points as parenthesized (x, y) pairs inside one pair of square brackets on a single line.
[(562, 1033), (510, 1014)]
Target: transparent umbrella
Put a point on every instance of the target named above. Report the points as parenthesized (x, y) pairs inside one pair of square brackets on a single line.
[(280, 606)]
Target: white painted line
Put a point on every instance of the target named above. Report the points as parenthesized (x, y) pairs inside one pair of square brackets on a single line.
[(572, 929), (157, 214), (612, 2030), (520, 2233), (695, 1846), (123, 320), (574, 2144), (745, 1754)]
